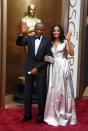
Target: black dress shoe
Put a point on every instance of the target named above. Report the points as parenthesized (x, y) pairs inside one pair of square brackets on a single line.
[(25, 119), (39, 120)]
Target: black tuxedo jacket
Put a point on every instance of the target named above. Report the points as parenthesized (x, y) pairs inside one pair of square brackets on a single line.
[(32, 60)]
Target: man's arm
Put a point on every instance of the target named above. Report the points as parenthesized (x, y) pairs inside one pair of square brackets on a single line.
[(22, 38), (48, 52), (21, 41)]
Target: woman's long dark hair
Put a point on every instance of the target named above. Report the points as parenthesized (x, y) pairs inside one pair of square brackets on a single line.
[(61, 37)]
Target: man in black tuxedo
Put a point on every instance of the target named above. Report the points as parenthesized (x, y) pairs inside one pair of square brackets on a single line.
[(35, 69)]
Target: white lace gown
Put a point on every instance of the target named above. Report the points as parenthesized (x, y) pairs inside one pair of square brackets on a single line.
[(60, 105)]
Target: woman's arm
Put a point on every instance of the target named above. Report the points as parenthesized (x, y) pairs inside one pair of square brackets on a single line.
[(69, 45), (69, 48)]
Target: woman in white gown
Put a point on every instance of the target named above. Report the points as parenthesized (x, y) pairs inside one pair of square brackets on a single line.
[(60, 105)]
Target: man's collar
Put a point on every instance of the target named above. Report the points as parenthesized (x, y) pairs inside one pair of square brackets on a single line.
[(38, 37)]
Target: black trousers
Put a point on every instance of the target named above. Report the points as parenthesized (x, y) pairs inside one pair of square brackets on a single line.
[(40, 87)]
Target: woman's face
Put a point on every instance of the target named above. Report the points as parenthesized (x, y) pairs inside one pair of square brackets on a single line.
[(56, 32)]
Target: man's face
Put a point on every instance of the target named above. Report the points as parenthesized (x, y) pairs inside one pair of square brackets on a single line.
[(39, 29), (31, 10)]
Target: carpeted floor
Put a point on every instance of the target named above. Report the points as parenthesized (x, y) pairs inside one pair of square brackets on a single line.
[(10, 120)]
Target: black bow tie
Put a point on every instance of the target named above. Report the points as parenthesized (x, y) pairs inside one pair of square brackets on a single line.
[(37, 37)]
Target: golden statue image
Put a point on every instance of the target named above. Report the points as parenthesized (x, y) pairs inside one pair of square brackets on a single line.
[(31, 19)]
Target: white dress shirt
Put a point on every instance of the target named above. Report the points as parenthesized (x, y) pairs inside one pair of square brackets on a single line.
[(37, 43)]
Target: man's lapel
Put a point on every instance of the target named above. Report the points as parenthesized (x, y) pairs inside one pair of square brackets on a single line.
[(41, 45)]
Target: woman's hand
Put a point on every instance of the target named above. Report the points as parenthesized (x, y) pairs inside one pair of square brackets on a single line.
[(49, 59), (45, 57), (68, 36)]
